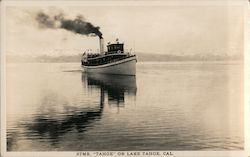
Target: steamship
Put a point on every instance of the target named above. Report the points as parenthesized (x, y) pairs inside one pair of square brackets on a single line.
[(114, 61)]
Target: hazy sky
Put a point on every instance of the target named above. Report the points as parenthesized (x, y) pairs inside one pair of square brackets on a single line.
[(176, 30)]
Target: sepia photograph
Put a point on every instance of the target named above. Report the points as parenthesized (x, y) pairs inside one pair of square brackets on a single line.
[(124, 78)]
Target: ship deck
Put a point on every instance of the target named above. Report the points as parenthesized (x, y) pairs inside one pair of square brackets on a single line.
[(105, 59)]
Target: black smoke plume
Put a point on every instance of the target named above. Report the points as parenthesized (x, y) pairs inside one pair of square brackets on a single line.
[(77, 25)]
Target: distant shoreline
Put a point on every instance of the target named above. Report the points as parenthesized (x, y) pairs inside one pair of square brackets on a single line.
[(141, 57), (148, 62)]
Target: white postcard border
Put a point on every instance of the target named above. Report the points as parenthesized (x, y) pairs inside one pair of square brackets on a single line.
[(4, 4)]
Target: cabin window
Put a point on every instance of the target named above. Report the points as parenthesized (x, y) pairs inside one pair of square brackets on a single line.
[(115, 47)]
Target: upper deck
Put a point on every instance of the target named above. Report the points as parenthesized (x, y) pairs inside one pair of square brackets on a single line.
[(104, 59), (114, 53)]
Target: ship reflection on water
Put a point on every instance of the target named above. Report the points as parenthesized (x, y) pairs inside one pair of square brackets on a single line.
[(51, 125), (116, 86)]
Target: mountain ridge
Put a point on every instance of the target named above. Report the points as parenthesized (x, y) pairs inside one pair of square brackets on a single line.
[(141, 57)]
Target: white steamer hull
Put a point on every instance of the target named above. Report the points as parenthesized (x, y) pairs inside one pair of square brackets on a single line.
[(122, 67)]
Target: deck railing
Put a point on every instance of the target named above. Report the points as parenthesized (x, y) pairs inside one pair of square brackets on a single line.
[(103, 60)]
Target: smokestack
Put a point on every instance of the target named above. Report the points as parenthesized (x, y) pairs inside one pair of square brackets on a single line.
[(101, 45)]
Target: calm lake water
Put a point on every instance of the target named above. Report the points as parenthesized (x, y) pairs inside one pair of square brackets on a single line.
[(167, 106)]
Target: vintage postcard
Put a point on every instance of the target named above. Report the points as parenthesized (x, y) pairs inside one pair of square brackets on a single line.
[(125, 78)]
